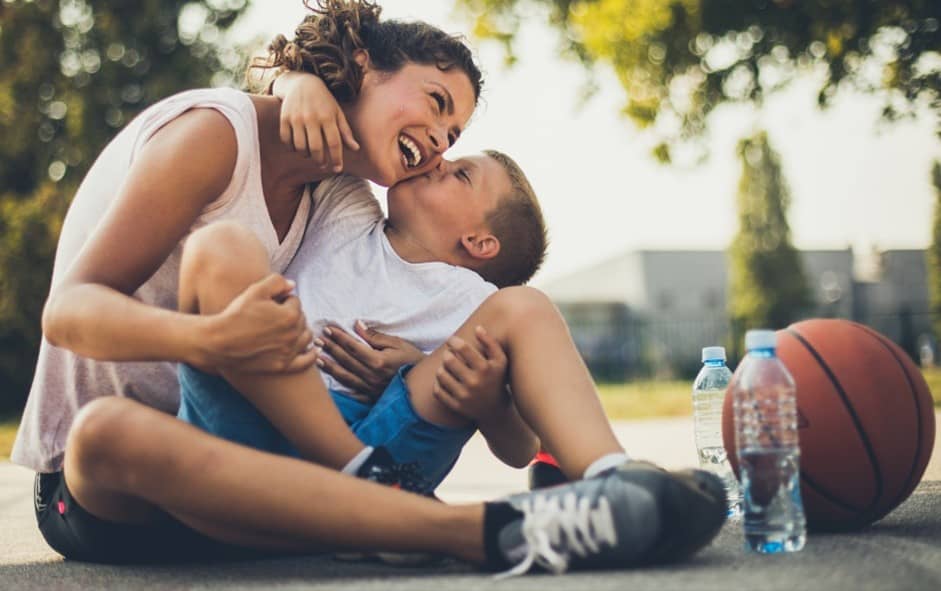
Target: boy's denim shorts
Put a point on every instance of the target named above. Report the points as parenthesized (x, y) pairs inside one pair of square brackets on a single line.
[(209, 402)]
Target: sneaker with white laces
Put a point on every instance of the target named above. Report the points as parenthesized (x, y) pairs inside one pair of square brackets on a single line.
[(632, 515)]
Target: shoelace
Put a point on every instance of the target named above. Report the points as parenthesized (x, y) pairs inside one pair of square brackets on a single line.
[(547, 519)]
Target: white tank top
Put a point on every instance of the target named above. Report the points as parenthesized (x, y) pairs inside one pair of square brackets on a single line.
[(64, 381)]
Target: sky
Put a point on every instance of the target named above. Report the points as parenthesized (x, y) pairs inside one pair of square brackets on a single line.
[(854, 181)]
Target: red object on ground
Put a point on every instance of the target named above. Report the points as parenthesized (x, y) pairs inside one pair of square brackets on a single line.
[(546, 458)]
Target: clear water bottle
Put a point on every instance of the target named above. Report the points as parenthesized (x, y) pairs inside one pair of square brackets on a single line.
[(766, 445), (708, 396)]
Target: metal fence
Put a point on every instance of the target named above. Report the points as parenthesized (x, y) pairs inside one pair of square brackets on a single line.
[(619, 346)]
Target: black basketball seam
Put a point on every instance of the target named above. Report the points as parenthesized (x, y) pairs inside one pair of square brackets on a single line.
[(849, 409), (914, 394), (823, 493)]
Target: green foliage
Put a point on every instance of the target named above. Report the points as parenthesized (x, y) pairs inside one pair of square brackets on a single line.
[(678, 59), (643, 399), (74, 72), (934, 253), (768, 288), (8, 427)]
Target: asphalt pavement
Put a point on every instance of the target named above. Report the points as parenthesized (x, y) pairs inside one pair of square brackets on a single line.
[(903, 551)]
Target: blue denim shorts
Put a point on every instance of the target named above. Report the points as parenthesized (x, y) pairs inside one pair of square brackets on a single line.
[(209, 402)]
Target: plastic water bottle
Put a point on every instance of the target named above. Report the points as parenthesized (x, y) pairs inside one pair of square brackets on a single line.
[(766, 445), (708, 396)]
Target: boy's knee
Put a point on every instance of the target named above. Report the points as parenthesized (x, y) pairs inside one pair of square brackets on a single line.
[(521, 304), (222, 253), (221, 246)]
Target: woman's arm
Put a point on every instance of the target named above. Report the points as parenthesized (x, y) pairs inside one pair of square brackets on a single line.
[(185, 166)]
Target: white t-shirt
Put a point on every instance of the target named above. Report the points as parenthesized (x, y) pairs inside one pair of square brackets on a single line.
[(64, 381), (346, 270)]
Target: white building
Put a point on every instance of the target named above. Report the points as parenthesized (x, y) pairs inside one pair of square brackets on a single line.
[(650, 311)]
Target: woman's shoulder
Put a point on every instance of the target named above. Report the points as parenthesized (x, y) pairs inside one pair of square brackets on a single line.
[(222, 95)]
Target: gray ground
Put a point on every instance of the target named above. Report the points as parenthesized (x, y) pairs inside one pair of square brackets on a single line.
[(903, 551)]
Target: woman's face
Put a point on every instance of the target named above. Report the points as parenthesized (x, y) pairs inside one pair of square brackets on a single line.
[(405, 120)]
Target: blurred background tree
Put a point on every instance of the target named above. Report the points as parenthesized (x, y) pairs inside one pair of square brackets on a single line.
[(934, 252), (74, 72), (767, 285), (679, 59)]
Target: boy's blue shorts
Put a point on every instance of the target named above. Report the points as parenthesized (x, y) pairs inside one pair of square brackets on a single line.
[(209, 402)]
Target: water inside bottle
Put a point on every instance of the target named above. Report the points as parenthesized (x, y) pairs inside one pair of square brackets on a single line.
[(773, 514), (716, 460), (712, 454)]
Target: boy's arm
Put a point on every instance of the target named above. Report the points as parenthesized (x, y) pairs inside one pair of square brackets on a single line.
[(472, 382), (509, 437), (312, 120)]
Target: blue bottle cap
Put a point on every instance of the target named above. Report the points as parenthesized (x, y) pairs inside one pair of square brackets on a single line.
[(713, 354), (760, 339)]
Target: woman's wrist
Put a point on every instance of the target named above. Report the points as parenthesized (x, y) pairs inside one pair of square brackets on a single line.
[(197, 340)]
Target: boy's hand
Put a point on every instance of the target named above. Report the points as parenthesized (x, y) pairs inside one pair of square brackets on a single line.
[(366, 367), (472, 379), (312, 120)]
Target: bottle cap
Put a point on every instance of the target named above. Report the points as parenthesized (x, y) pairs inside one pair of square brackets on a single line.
[(760, 339), (713, 354)]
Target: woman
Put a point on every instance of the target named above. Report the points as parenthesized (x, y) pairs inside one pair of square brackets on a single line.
[(201, 156)]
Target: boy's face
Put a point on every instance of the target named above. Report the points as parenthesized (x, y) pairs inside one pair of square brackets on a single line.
[(443, 206)]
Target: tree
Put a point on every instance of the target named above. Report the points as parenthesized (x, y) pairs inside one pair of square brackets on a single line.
[(767, 283), (679, 59), (74, 72), (934, 253)]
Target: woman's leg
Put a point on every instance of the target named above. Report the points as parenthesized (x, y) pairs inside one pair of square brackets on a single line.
[(219, 262), (552, 388), (126, 462)]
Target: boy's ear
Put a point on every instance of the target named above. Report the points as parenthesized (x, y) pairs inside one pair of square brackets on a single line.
[(481, 246)]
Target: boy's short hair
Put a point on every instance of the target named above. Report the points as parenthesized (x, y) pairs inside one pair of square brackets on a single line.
[(518, 224)]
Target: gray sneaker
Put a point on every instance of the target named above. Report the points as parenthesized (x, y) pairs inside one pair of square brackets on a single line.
[(632, 515)]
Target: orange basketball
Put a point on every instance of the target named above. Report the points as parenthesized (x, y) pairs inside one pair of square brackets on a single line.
[(865, 420)]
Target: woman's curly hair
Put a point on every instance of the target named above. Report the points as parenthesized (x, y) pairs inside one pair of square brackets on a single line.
[(325, 42)]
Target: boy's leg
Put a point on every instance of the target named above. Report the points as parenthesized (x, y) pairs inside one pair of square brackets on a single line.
[(552, 388), (219, 262), (128, 463)]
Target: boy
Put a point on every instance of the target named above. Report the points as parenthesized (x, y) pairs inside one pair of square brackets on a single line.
[(416, 275)]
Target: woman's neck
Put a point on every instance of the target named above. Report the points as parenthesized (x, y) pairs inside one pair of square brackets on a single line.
[(284, 173)]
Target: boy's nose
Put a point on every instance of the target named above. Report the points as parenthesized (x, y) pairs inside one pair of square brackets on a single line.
[(443, 168)]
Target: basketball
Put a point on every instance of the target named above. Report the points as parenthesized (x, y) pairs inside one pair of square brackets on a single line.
[(865, 420)]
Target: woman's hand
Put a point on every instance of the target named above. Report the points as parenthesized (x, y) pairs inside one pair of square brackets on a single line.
[(262, 330), (472, 378), (312, 120), (367, 367)]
